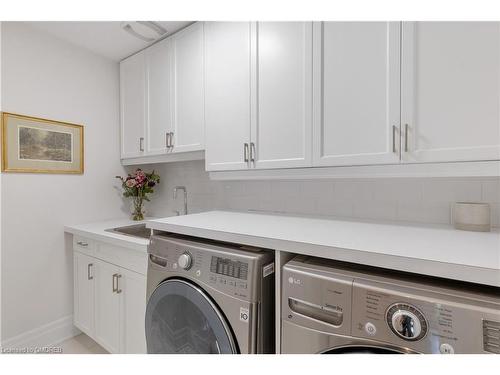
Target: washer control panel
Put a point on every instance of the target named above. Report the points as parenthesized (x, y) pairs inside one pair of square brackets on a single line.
[(226, 269)]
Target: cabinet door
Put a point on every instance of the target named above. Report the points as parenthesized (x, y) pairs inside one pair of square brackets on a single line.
[(189, 124), (281, 135), (357, 93), (83, 268), (107, 306), (132, 105), (227, 94), (160, 99), (450, 91), (132, 312)]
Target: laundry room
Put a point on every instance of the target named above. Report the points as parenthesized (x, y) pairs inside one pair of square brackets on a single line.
[(267, 183)]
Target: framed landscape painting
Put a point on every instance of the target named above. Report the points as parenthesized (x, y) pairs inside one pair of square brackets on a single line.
[(36, 145)]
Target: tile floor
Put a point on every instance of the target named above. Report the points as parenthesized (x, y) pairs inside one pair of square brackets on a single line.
[(81, 344)]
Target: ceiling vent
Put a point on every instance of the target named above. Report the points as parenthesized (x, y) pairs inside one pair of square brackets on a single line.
[(147, 31)]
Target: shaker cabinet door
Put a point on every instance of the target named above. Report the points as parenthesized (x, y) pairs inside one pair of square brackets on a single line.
[(189, 123), (227, 94), (107, 306), (132, 312), (357, 92), (159, 59), (84, 281), (281, 134), (450, 91), (133, 105)]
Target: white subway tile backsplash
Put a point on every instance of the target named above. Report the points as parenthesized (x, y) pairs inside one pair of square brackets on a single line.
[(285, 189), (335, 207), (417, 200), (371, 209), (491, 191), (405, 190), (353, 190), (424, 212), (437, 190)]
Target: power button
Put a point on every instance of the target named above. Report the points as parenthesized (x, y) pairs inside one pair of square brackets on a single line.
[(446, 349), (370, 328)]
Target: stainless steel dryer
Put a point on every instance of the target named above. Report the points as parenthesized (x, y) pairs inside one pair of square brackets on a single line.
[(331, 307), (209, 297)]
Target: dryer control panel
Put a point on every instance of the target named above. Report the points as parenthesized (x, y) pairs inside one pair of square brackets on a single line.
[(398, 312)]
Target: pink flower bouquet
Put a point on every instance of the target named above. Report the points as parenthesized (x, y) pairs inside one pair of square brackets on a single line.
[(137, 186)]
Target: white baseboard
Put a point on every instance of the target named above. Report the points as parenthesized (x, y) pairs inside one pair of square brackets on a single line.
[(46, 335)]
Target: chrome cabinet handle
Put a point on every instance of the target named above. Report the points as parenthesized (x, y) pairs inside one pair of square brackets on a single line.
[(167, 136), (245, 153), (81, 243), (115, 288), (89, 275), (141, 144), (406, 137), (394, 138), (171, 143), (252, 152), (118, 290)]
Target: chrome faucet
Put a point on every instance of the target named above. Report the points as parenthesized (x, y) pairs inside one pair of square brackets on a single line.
[(183, 188)]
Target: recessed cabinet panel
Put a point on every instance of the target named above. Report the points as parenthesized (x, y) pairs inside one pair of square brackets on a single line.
[(84, 268), (227, 94), (451, 91), (189, 100), (357, 79), (160, 87), (133, 105), (107, 307), (281, 135), (133, 312)]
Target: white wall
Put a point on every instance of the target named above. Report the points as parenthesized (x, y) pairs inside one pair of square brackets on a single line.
[(416, 200), (46, 77)]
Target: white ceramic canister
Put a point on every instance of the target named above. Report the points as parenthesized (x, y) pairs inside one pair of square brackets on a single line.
[(471, 216)]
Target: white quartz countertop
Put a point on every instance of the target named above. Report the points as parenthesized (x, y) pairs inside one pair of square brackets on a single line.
[(98, 231), (438, 250)]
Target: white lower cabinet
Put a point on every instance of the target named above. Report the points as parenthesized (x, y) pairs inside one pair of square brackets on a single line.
[(132, 312), (110, 301), (107, 307), (83, 266)]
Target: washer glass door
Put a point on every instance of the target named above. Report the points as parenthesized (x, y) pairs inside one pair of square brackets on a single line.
[(181, 318)]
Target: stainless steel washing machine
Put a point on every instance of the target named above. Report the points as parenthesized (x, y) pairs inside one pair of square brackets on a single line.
[(331, 307), (209, 297)]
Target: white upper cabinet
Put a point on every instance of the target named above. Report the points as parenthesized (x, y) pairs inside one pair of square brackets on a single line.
[(227, 94), (357, 80), (162, 99), (188, 131), (133, 105), (159, 59), (281, 134), (450, 91)]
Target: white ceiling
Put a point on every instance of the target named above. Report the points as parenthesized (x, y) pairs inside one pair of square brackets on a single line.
[(106, 38)]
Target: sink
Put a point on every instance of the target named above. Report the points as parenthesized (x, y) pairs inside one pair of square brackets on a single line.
[(138, 230)]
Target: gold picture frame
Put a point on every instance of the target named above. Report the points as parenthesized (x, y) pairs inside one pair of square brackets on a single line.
[(39, 145)]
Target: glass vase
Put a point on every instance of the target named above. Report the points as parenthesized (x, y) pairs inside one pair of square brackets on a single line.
[(138, 208)]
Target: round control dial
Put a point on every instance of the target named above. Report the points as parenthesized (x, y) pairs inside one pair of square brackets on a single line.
[(185, 261), (406, 321)]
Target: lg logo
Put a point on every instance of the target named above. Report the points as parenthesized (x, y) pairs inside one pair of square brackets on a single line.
[(291, 280)]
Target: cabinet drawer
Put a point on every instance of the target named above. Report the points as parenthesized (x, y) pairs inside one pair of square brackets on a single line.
[(123, 257), (83, 245)]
